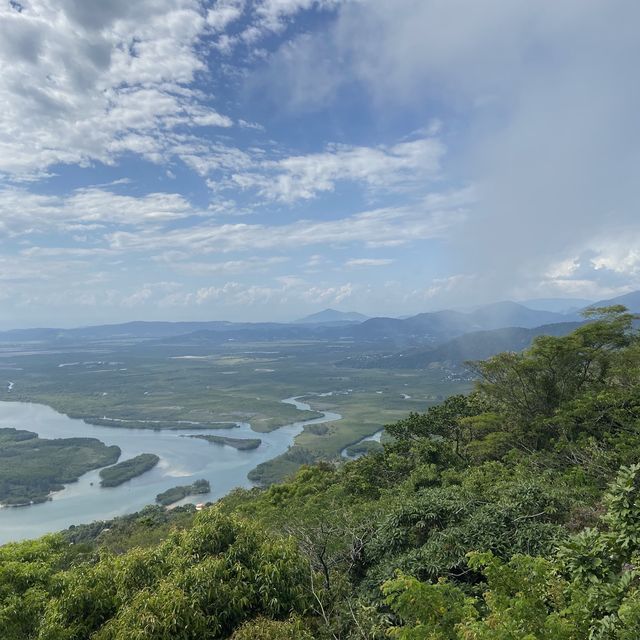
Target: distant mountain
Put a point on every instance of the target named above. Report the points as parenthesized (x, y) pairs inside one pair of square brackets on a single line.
[(424, 329), (332, 316), (557, 305), (436, 327), (31, 335), (477, 345), (512, 314), (136, 330), (629, 300)]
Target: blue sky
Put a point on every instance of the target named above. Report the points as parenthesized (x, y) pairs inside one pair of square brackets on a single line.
[(264, 159)]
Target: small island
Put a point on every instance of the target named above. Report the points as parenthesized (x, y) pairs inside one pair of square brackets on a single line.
[(242, 444), (32, 467), (128, 469), (182, 491)]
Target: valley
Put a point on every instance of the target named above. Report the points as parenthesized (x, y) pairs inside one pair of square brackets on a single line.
[(265, 406), (145, 397)]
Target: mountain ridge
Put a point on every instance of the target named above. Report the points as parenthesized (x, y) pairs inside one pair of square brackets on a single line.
[(422, 329), (332, 316)]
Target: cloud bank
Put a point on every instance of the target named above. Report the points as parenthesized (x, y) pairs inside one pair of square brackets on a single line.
[(232, 157)]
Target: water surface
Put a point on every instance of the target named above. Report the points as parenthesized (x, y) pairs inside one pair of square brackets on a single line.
[(182, 460)]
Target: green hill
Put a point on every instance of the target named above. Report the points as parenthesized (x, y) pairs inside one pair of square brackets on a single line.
[(476, 345)]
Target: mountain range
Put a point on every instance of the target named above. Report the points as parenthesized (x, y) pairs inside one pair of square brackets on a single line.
[(424, 330)]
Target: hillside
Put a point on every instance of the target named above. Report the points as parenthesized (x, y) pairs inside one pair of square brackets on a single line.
[(439, 326), (630, 300), (522, 515), (557, 305), (476, 345)]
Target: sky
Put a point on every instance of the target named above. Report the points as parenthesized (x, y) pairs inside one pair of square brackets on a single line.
[(265, 159)]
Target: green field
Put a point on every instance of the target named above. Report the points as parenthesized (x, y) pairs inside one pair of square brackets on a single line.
[(160, 387)]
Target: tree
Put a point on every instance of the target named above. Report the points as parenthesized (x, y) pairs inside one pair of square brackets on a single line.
[(528, 388)]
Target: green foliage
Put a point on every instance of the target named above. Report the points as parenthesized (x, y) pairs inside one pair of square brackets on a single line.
[(529, 387), (362, 448), (202, 583), (144, 529), (446, 421), (431, 611), (265, 629), (588, 589)]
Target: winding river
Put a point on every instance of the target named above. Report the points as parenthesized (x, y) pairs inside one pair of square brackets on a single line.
[(182, 460)]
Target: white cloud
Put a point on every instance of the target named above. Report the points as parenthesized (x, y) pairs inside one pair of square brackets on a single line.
[(223, 13), (607, 267), (261, 18), (136, 299), (329, 295), (24, 212), (251, 265), (379, 227), (85, 81), (441, 287), (549, 120), (236, 294), (368, 262), (403, 166), (271, 14)]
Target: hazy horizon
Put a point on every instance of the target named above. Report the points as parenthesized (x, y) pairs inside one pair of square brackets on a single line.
[(570, 306), (266, 159)]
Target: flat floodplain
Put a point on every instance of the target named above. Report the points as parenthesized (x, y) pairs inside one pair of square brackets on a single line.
[(144, 397)]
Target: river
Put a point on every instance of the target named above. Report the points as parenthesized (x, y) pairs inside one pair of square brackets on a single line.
[(376, 437), (182, 460)]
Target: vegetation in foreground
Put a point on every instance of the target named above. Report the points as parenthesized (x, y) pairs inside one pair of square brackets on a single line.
[(32, 467), (182, 491), (128, 469), (512, 513)]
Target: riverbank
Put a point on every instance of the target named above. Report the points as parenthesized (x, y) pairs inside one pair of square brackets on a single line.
[(182, 460)]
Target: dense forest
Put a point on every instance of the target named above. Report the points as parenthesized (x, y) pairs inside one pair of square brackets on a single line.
[(509, 513), (32, 467)]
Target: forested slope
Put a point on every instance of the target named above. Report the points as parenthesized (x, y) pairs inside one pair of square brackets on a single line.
[(510, 513)]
